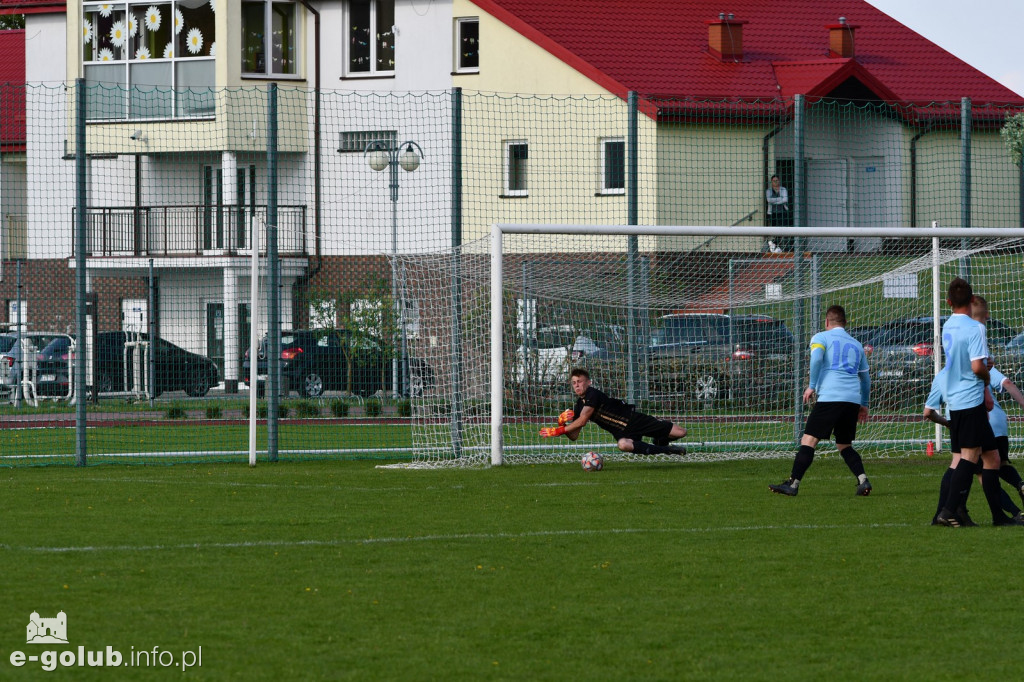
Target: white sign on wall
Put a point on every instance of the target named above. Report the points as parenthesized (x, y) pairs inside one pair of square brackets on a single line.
[(900, 286)]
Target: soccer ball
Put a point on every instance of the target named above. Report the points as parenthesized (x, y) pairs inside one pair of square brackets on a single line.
[(592, 461)]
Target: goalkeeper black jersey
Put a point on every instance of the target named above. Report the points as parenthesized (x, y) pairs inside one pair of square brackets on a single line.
[(611, 414)]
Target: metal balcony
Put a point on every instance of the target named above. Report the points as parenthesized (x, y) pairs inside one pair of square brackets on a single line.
[(190, 230)]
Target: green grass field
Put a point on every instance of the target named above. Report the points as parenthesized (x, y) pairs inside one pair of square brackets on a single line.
[(340, 570)]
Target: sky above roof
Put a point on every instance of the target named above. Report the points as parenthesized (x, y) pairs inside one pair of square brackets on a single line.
[(661, 48), (984, 33)]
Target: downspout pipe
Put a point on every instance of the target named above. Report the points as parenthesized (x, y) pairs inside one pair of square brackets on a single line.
[(317, 225), (913, 172)]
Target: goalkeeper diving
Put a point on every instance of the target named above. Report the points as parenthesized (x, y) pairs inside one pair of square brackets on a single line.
[(627, 425)]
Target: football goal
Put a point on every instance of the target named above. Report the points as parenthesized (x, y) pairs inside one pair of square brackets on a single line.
[(705, 326)]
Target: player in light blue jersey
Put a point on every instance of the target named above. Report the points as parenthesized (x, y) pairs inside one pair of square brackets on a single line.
[(964, 389), (839, 376)]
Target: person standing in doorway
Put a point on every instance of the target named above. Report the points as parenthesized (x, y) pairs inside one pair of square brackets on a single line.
[(778, 214)]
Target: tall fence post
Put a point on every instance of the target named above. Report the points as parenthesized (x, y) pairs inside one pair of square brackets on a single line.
[(965, 182), (81, 201), (635, 345), (274, 280), (799, 204), (456, 305)]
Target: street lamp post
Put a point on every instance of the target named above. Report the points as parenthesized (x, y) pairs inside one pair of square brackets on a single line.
[(408, 155)]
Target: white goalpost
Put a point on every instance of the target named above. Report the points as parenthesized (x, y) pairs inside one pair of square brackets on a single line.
[(697, 324)]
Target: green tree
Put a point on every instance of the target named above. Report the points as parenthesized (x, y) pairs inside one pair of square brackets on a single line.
[(11, 21)]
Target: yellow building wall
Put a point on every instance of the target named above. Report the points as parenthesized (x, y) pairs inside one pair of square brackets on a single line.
[(710, 175), (995, 188), (564, 133)]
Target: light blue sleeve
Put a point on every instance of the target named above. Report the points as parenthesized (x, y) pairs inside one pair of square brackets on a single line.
[(996, 379), (976, 344), (817, 362), (865, 388), (934, 400)]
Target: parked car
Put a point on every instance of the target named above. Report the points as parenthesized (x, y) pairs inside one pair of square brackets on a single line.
[(317, 360), (551, 354), (176, 368), (10, 355), (902, 357), (706, 358), (54, 367)]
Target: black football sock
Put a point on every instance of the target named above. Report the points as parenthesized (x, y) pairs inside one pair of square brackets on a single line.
[(990, 484), (959, 486), (853, 460), (1009, 473), (944, 489), (642, 448), (804, 458), (1006, 502)]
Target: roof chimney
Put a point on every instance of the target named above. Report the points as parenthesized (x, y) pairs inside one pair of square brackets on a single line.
[(840, 39), (725, 37)]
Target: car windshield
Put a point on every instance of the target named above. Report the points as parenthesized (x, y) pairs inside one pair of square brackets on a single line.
[(57, 345), (7, 342), (760, 331), (691, 329)]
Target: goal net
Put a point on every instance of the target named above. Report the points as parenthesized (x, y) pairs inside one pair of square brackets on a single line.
[(706, 327)]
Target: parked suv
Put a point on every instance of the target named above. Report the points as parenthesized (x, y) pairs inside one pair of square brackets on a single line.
[(901, 355), (176, 368), (317, 360), (708, 358)]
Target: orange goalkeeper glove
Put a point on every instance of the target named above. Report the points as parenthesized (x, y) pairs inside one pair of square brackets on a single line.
[(566, 417), (552, 431)]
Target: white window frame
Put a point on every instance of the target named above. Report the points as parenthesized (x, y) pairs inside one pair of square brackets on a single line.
[(605, 189), (125, 59), (373, 72), (268, 21), (457, 45), (507, 169)]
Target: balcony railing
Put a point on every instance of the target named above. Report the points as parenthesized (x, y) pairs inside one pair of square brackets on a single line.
[(190, 230)]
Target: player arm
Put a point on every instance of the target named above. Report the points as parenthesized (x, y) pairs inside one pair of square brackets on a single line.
[(817, 363), (865, 387), (573, 428), (934, 415), (980, 368)]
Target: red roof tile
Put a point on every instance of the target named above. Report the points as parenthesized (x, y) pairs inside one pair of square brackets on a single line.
[(660, 48), (32, 6)]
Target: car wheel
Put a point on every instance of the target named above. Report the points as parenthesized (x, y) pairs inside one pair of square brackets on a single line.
[(196, 386), (105, 383), (312, 385), (706, 389)]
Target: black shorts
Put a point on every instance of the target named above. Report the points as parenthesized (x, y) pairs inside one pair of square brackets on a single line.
[(1003, 445), (970, 429), (833, 417), (640, 425)]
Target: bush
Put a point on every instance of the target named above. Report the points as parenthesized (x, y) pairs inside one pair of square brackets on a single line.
[(373, 408), (405, 408), (261, 411), (339, 408), (175, 412), (213, 412), (305, 409)]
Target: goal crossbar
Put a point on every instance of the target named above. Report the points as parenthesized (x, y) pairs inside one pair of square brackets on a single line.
[(498, 230)]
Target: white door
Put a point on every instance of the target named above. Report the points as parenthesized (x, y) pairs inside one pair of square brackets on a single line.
[(869, 197), (826, 204), (133, 315)]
